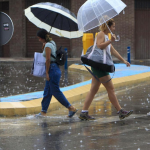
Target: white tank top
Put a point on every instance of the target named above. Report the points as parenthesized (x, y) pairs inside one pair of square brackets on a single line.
[(106, 50), (109, 46)]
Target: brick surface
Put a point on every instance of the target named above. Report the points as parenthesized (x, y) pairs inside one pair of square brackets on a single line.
[(125, 25), (23, 46), (16, 13)]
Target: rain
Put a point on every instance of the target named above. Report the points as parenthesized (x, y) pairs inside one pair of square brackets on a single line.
[(20, 81), (56, 131)]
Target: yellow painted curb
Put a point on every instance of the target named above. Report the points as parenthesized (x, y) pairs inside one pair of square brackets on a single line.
[(34, 106)]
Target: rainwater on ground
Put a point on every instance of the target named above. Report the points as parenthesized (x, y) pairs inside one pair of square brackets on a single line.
[(107, 132), (16, 78)]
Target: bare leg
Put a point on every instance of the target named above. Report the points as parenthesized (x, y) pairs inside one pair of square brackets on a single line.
[(111, 92), (89, 98)]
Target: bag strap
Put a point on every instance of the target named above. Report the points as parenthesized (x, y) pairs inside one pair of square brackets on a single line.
[(51, 53), (104, 51), (93, 48), (53, 56), (90, 71), (53, 44)]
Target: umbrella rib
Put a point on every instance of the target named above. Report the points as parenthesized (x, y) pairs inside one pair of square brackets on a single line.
[(82, 21), (40, 18), (98, 12), (107, 24), (69, 26), (70, 16), (37, 13), (53, 22), (96, 26), (86, 17), (94, 10), (45, 17), (94, 18), (61, 25), (102, 17)]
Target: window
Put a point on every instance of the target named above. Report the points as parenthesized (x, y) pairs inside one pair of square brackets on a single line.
[(4, 6), (142, 4)]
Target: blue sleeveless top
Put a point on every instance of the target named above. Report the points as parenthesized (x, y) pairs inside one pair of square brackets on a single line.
[(52, 46)]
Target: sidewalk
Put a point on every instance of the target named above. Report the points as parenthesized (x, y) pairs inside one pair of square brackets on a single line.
[(21, 59), (70, 60), (4, 59), (31, 102)]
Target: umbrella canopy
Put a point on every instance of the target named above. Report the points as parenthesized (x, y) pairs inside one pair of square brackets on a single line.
[(54, 18), (94, 13)]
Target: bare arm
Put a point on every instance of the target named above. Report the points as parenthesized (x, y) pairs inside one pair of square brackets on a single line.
[(48, 55), (101, 41), (117, 55)]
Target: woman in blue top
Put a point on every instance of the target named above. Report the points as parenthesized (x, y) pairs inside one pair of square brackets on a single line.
[(53, 75)]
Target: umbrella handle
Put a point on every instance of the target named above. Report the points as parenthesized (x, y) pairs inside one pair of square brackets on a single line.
[(117, 38)]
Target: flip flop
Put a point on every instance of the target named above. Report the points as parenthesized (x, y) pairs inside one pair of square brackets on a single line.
[(72, 113)]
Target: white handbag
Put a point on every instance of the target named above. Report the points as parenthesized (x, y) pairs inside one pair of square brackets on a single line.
[(39, 68)]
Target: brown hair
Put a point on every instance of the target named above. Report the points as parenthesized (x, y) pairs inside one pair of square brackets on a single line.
[(103, 27), (48, 38), (42, 33)]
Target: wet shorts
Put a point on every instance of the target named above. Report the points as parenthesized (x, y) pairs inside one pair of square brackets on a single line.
[(99, 73)]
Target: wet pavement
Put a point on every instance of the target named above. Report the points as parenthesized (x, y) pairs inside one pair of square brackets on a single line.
[(107, 132), (16, 78)]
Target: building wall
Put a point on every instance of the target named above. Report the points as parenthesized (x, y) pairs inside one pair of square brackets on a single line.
[(125, 25), (5, 50), (17, 44), (142, 32)]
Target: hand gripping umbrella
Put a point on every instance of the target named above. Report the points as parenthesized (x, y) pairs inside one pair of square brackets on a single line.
[(94, 13), (55, 19)]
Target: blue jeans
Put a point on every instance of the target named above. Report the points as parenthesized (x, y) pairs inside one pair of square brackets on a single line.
[(52, 89)]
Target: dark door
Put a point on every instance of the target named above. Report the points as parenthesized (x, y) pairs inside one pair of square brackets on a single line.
[(142, 29)]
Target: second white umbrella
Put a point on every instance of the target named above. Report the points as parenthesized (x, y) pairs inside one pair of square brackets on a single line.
[(94, 13)]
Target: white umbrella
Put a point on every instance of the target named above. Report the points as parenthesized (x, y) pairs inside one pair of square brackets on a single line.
[(94, 13), (54, 18)]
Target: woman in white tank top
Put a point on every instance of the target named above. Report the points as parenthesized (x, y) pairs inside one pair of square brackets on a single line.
[(103, 42)]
